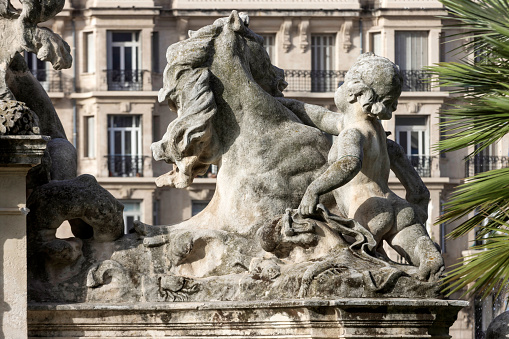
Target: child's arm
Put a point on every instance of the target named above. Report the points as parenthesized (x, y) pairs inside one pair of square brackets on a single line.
[(340, 172), (416, 191), (314, 115)]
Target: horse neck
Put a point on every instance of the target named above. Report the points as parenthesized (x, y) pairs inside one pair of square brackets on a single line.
[(245, 99)]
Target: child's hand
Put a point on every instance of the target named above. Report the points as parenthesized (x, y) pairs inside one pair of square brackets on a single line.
[(308, 203)]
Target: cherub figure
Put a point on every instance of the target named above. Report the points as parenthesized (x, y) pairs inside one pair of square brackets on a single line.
[(360, 161), (20, 33)]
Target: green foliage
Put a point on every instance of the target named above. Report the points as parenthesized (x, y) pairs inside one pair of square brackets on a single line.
[(481, 119)]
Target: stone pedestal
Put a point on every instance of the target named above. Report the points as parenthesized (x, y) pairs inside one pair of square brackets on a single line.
[(17, 155), (307, 318)]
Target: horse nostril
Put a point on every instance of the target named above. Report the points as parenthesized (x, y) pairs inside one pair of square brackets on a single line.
[(157, 151)]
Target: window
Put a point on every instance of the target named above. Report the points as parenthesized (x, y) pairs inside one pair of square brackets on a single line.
[(270, 46), (198, 205), (38, 68), (323, 77), (485, 160), (124, 146), (376, 43), (412, 135), (89, 133), (412, 56), (132, 212), (123, 62), (155, 52), (88, 38)]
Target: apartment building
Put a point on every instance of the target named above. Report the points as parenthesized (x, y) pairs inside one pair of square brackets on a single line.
[(108, 100)]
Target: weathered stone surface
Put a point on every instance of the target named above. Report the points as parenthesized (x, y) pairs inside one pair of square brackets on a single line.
[(17, 154), (17, 119), (22, 149), (93, 212), (254, 241), (80, 198), (341, 318), (499, 327), (23, 34)]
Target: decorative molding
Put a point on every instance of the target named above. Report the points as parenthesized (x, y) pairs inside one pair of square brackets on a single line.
[(347, 38), (413, 107), (182, 28), (286, 29), (125, 106), (304, 35), (58, 26), (125, 193)]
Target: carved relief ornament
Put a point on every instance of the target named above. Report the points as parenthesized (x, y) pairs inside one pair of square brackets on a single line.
[(286, 28), (304, 35), (347, 38)]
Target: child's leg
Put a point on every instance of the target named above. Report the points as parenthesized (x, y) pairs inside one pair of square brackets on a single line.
[(413, 243)]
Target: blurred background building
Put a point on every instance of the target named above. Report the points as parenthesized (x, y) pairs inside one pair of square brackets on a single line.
[(108, 100)]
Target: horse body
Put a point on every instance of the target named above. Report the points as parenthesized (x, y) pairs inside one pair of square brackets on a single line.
[(267, 155)]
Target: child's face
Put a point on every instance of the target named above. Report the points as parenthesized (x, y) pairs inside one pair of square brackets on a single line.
[(390, 104)]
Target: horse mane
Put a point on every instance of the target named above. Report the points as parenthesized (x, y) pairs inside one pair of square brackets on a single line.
[(186, 86)]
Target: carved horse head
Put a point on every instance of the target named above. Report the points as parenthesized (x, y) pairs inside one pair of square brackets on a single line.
[(191, 141)]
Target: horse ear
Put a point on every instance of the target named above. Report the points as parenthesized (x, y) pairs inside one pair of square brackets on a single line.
[(235, 22)]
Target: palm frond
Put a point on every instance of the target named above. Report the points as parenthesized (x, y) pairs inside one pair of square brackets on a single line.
[(485, 194), (481, 119), (484, 271)]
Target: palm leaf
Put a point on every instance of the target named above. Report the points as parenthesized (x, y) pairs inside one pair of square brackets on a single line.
[(483, 271), (481, 119), (485, 194)]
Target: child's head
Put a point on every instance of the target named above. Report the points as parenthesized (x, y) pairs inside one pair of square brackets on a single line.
[(375, 82)]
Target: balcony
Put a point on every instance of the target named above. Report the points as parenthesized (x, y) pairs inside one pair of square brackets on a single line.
[(415, 81), (422, 164), (124, 80), (125, 165), (479, 164), (51, 80), (313, 81)]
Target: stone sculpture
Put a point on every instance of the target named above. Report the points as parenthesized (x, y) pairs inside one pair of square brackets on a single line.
[(25, 35), (252, 242), (360, 161), (56, 194)]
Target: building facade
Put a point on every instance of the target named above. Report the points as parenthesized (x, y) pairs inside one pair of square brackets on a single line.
[(108, 100)]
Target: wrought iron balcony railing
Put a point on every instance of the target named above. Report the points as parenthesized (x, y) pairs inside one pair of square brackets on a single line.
[(415, 81), (51, 80), (125, 165), (124, 80), (422, 164), (313, 81), (479, 164)]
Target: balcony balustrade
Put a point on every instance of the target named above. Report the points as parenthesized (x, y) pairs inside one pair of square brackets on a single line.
[(422, 164), (329, 81), (125, 165), (51, 80), (124, 80), (313, 81), (415, 81), (479, 164)]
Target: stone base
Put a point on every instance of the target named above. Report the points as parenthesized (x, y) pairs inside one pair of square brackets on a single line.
[(307, 318)]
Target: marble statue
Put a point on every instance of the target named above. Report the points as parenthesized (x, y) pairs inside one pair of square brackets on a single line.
[(292, 215)]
